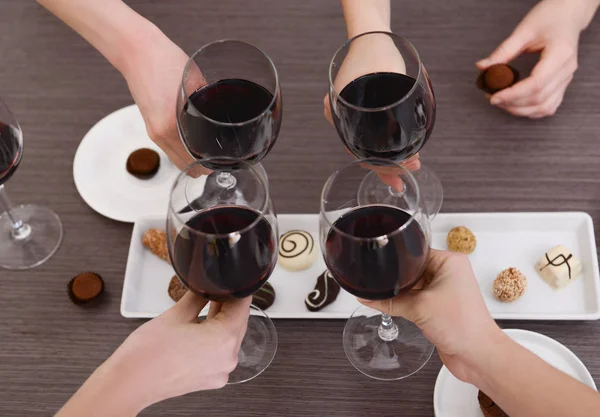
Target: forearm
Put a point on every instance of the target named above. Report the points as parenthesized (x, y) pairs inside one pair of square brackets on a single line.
[(366, 15), (523, 385), (105, 394), (110, 26)]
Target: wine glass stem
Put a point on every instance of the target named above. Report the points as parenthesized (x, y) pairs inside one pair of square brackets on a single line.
[(388, 330), (20, 230), (226, 180)]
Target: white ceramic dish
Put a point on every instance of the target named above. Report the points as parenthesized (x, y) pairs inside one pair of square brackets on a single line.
[(504, 240), (453, 398), (100, 175)]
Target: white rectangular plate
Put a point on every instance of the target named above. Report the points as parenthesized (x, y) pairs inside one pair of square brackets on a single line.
[(503, 240)]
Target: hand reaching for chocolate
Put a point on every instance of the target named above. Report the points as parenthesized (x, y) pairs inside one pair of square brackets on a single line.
[(551, 28)]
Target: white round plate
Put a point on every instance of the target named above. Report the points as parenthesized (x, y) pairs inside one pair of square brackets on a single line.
[(102, 179), (453, 398)]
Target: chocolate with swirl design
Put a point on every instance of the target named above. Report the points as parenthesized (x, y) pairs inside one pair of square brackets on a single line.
[(297, 250), (325, 292)]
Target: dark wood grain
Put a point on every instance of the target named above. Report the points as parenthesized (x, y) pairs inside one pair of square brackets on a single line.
[(59, 86)]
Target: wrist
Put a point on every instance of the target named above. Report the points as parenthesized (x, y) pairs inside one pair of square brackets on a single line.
[(480, 359), (583, 11), (366, 16)]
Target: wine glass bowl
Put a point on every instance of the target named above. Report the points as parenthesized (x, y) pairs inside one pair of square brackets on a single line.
[(375, 244), (387, 111), (229, 105)]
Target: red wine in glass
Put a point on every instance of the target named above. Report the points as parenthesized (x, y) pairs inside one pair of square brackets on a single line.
[(385, 115), (232, 118), (10, 151), (226, 251), (376, 252)]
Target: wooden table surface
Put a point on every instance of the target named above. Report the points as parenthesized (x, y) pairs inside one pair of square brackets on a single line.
[(59, 86)]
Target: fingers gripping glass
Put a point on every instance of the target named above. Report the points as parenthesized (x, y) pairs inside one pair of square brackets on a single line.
[(376, 248), (222, 249), (388, 110), (29, 234), (229, 107)]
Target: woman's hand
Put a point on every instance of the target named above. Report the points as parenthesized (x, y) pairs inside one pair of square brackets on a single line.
[(450, 311), (168, 356), (551, 28)]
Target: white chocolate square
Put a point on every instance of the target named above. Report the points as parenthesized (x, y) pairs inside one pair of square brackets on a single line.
[(558, 267)]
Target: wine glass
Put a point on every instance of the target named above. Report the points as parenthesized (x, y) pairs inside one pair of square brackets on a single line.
[(30, 234), (376, 248), (223, 249), (229, 108), (386, 107)]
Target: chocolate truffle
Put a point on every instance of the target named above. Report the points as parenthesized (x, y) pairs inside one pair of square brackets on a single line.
[(143, 163), (325, 292), (509, 285), (488, 407), (156, 241), (461, 239), (85, 287), (497, 77), (265, 297), (176, 289)]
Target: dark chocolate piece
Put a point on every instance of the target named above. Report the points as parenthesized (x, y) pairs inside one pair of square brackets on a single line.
[(85, 288), (325, 292), (265, 297), (176, 289), (143, 163), (497, 77), (488, 407)]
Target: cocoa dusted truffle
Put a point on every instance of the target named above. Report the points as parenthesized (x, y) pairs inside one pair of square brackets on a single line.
[(497, 77), (143, 163), (85, 288)]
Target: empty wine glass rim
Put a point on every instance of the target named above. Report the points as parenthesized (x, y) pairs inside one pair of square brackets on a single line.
[(373, 109), (261, 211), (366, 161), (267, 109)]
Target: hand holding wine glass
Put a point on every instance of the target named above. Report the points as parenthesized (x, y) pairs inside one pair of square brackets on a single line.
[(449, 310), (222, 248), (166, 357), (153, 76)]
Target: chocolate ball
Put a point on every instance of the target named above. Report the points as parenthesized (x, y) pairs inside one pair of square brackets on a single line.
[(499, 77), (143, 163)]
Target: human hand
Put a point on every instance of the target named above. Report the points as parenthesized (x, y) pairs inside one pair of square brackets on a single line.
[(154, 77), (450, 311), (173, 354), (552, 28)]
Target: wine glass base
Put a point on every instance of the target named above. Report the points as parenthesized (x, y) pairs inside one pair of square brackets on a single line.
[(258, 346), (384, 360), (36, 244), (431, 191)]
